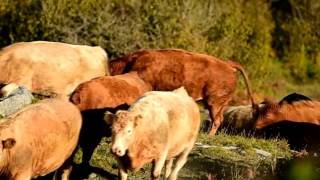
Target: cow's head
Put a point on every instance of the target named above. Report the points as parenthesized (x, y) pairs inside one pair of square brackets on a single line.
[(124, 125), (8, 89)]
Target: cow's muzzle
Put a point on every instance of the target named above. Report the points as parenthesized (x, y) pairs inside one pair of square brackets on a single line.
[(118, 151)]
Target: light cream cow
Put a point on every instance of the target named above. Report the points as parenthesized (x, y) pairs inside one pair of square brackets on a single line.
[(51, 68), (157, 128)]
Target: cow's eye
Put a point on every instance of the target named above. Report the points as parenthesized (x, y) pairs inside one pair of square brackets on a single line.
[(129, 131)]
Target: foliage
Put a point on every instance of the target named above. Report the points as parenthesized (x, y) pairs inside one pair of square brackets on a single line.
[(227, 29), (259, 34), (297, 37)]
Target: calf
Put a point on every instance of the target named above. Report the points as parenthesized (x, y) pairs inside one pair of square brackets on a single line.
[(158, 127), (204, 77), (38, 139)]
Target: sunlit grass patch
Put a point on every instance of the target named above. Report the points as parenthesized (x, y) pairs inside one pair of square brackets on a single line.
[(215, 159)]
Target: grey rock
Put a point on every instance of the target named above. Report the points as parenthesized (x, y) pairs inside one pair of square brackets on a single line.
[(15, 101)]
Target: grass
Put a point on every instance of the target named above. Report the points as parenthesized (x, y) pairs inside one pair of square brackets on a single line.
[(216, 160)]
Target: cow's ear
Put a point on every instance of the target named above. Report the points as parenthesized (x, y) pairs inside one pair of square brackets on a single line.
[(109, 117), (137, 119), (8, 143), (75, 98)]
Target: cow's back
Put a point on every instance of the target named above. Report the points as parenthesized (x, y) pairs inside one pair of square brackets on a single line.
[(169, 69), (175, 111), (109, 91), (184, 119), (46, 134), (51, 67)]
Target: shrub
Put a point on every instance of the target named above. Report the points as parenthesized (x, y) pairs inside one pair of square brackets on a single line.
[(241, 30), (297, 36)]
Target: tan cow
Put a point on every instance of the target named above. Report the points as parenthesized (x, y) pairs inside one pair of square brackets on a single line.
[(51, 68), (38, 139), (204, 77), (158, 127)]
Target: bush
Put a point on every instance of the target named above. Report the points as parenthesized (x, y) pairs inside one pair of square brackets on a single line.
[(236, 29), (297, 37)]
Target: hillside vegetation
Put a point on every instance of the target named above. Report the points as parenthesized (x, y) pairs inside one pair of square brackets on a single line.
[(273, 39)]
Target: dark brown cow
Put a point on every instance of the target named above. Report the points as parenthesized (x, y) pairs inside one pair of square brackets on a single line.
[(96, 96), (294, 107), (203, 76), (295, 118)]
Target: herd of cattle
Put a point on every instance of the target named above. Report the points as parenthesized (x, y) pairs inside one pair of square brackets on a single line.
[(147, 97)]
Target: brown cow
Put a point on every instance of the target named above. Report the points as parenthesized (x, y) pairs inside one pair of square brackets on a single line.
[(295, 118), (109, 91), (203, 76), (158, 127), (51, 68), (38, 139), (294, 107), (96, 96)]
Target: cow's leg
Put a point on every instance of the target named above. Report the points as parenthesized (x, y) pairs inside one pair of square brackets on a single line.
[(181, 160), (216, 119), (216, 107), (123, 174), (122, 171), (66, 169), (168, 167), (25, 175), (66, 173), (92, 131), (158, 165)]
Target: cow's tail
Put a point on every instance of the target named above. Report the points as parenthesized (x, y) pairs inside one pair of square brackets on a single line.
[(238, 67)]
